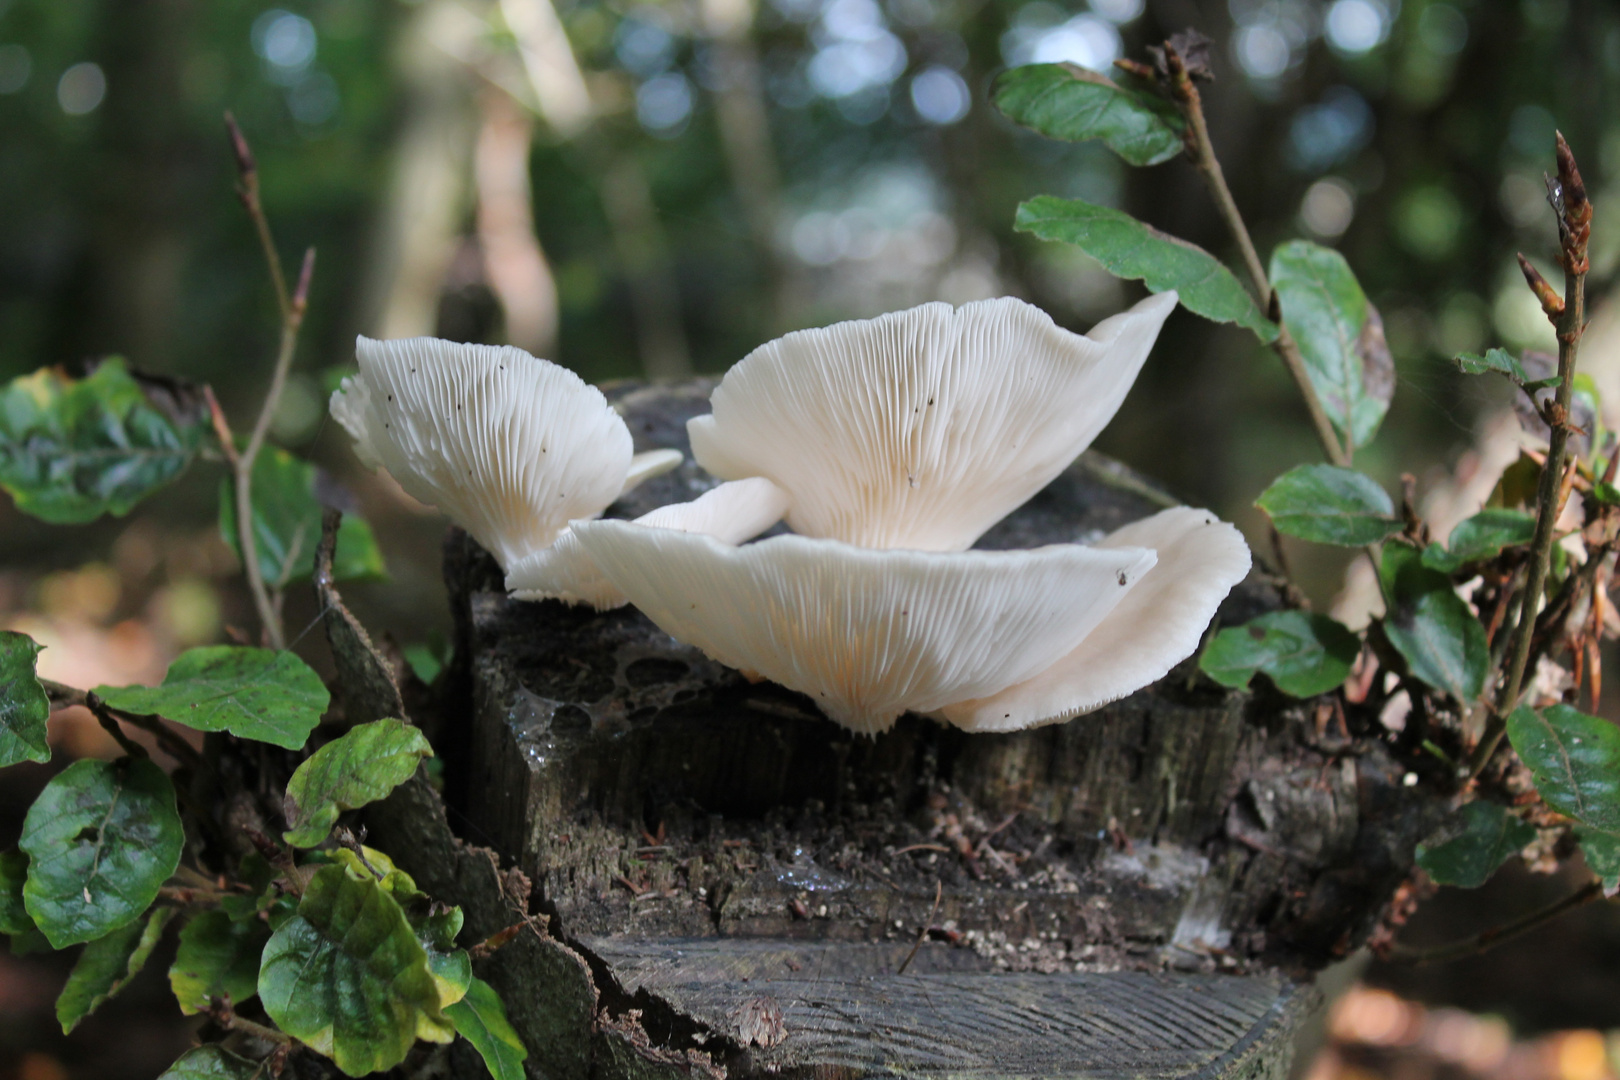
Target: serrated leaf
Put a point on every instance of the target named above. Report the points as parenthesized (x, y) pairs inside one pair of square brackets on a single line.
[(1329, 505), (1339, 335), (263, 694), (1128, 248), (24, 706), (74, 449), (357, 768), (347, 976), (480, 1018), (287, 524), (217, 956), (1302, 653), (1575, 759), (212, 1062), (106, 965), (101, 839), (1431, 626), (1468, 849), (1065, 101), (1480, 537)]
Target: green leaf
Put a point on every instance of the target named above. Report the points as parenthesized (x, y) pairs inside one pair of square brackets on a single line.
[(1575, 759), (263, 694), (359, 767), (1330, 505), (1304, 654), (1339, 334), (101, 839), (1063, 101), (14, 917), (211, 1062), (480, 1018), (106, 965), (1431, 626), (74, 449), (24, 706), (348, 977), (1128, 248), (218, 956), (1480, 537), (1468, 849), (287, 524), (1502, 362), (1602, 850)]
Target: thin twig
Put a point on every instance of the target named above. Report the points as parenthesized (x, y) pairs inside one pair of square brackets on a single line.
[(171, 740), (292, 306), (1497, 935), (1568, 195), (1202, 151), (110, 724), (939, 890)]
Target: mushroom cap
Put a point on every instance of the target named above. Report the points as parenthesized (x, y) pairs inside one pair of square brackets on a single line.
[(731, 513), (511, 447), (920, 429), (868, 634), (1158, 624)]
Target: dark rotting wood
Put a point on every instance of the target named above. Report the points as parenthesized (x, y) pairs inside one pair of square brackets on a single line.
[(729, 883)]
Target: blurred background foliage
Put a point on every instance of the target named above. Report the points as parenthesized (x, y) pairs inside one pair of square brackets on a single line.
[(635, 188)]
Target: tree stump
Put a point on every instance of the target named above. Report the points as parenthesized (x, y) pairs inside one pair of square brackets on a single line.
[(731, 884)]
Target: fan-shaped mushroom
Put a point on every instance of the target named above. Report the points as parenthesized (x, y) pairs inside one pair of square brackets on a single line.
[(868, 633), (920, 429), (511, 447)]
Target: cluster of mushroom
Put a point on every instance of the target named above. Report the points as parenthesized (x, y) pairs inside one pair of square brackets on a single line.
[(890, 446)]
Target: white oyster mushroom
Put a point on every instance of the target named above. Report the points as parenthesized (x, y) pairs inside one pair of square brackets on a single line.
[(920, 429), (1158, 624), (731, 513), (510, 447), (868, 634)]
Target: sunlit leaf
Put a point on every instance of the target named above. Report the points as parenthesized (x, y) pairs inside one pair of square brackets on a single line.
[(106, 965), (1128, 248), (1339, 334), (1575, 759), (212, 1062), (1330, 505), (74, 449), (1431, 626), (263, 694), (1468, 849), (101, 839), (359, 767), (480, 1018), (1064, 101), (1480, 537), (218, 956), (24, 706), (348, 977), (1303, 654), (287, 524)]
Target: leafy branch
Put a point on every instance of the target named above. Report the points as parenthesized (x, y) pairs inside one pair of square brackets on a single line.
[(291, 306), (1202, 151)]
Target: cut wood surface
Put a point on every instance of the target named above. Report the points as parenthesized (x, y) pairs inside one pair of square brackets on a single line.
[(730, 883)]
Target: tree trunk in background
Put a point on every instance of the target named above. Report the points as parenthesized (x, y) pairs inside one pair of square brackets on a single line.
[(513, 261), (421, 221), (145, 192), (725, 883)]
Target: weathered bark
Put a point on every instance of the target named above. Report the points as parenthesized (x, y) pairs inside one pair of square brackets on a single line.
[(731, 882)]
